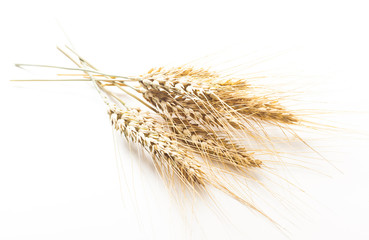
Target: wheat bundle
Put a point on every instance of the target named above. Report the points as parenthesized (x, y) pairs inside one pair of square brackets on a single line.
[(195, 114)]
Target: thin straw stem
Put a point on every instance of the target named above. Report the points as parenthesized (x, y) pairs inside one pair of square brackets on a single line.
[(54, 80), (20, 65)]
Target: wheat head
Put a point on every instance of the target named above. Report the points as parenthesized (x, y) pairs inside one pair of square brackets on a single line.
[(212, 146), (168, 155), (208, 97)]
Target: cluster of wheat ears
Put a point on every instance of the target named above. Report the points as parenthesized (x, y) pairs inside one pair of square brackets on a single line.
[(193, 124)]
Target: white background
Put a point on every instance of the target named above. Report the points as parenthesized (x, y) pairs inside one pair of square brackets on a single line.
[(59, 169)]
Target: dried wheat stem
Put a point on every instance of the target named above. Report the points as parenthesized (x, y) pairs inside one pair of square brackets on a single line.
[(20, 65)]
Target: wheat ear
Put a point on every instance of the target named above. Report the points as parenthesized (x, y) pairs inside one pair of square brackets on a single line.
[(206, 94), (168, 155), (212, 146)]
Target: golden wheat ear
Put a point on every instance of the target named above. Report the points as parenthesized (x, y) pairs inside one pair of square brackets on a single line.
[(209, 91), (213, 147), (169, 157)]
